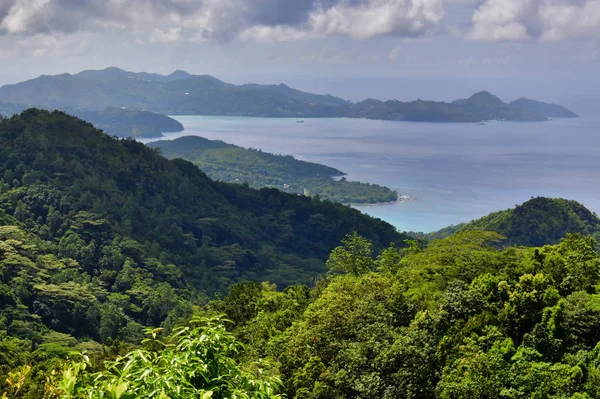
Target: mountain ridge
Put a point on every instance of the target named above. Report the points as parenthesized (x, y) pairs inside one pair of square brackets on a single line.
[(169, 206), (181, 93)]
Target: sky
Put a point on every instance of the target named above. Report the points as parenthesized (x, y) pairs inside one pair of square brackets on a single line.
[(354, 48)]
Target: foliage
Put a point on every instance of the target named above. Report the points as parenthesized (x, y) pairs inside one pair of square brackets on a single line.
[(458, 318), (354, 256), (101, 237), (536, 222), (195, 361)]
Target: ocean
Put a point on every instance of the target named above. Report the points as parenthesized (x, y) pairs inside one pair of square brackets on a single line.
[(457, 172)]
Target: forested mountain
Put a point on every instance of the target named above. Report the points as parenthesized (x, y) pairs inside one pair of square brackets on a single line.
[(181, 93), (537, 222), (101, 236), (233, 164), (170, 208), (114, 121)]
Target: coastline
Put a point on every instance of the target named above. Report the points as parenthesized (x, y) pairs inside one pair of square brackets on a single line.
[(402, 199)]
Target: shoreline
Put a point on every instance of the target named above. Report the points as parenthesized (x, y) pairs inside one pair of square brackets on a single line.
[(402, 199)]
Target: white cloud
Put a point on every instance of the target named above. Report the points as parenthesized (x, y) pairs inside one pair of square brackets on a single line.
[(165, 36), (22, 14), (536, 19), (174, 20), (378, 17)]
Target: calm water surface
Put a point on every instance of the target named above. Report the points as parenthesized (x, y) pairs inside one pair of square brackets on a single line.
[(457, 172)]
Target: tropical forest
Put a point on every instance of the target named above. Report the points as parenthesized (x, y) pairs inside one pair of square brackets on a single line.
[(127, 275)]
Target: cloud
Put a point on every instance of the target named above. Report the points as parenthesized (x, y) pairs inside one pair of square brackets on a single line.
[(222, 20), (536, 19), (165, 36), (45, 45)]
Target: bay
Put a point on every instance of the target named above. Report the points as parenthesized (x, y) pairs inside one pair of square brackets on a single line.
[(457, 172)]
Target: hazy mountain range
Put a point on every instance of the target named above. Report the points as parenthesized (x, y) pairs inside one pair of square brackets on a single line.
[(181, 93)]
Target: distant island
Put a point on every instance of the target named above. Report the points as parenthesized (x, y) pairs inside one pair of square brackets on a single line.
[(233, 164), (120, 122), (181, 93)]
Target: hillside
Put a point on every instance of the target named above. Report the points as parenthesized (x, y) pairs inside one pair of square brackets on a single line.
[(114, 121), (537, 222), (233, 164), (101, 237), (168, 207), (181, 93), (92, 224)]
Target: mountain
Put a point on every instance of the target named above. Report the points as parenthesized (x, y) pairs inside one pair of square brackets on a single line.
[(233, 164), (550, 110), (98, 187), (114, 121), (181, 93), (539, 221), (102, 240), (101, 236), (176, 94)]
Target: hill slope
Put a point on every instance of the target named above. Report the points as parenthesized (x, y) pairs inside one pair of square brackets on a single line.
[(63, 175), (100, 237), (181, 93), (537, 222), (233, 164)]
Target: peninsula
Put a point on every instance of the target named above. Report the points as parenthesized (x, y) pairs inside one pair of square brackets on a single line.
[(233, 164)]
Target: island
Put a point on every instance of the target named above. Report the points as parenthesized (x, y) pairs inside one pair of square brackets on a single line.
[(120, 122), (181, 93), (233, 164)]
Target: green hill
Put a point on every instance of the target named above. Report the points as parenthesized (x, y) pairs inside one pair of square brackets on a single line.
[(233, 164), (90, 221), (537, 222), (181, 93), (101, 237)]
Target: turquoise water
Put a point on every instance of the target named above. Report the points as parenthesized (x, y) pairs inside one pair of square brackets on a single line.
[(457, 172)]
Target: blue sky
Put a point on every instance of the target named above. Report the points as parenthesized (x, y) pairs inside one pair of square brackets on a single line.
[(311, 41)]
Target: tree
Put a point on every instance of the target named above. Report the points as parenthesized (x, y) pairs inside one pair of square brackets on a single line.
[(354, 256)]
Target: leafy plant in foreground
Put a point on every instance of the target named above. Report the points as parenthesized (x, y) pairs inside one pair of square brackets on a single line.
[(197, 361)]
